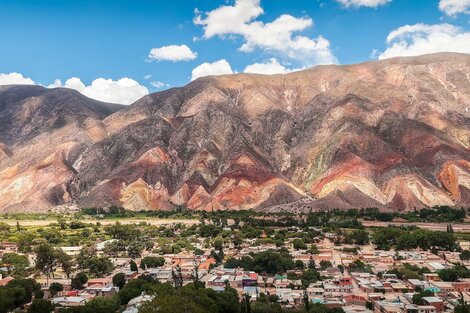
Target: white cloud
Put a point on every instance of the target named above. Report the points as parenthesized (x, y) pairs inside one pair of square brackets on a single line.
[(220, 67), (412, 40), (454, 7), (172, 53), (363, 3), (15, 79), (272, 66), (278, 36), (123, 91), (158, 84), (147, 77)]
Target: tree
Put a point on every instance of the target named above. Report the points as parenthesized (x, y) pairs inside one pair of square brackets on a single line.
[(324, 264), (299, 265), (299, 244), (314, 249), (55, 288), (103, 305), (85, 255), (22, 290), (309, 276), (151, 262), (311, 264), (450, 229), (41, 306), (134, 250), (358, 237), (465, 255), (79, 280), (100, 266), (133, 266), (218, 243), (45, 259), (16, 261), (119, 280), (191, 300), (246, 303), (177, 277), (65, 261), (462, 306), (4, 227), (271, 262), (306, 301)]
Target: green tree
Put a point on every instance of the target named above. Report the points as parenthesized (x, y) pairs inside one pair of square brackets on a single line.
[(119, 280), (100, 266), (65, 261), (55, 288), (45, 259), (133, 266), (17, 261), (103, 305), (41, 306), (358, 237), (79, 280), (152, 262), (324, 264), (465, 255), (299, 244)]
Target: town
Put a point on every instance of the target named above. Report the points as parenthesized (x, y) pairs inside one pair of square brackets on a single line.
[(328, 262)]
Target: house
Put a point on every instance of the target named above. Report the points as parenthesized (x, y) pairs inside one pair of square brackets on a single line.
[(8, 247), (101, 282), (461, 286), (5, 280), (69, 301), (431, 277), (101, 291), (135, 303), (436, 302), (72, 251)]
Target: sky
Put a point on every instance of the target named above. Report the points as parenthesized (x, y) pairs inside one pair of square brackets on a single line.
[(118, 51)]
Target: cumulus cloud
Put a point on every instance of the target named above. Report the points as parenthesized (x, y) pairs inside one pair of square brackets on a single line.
[(454, 7), (278, 36), (122, 91), (172, 53), (412, 40), (220, 67), (363, 3), (271, 66), (15, 79), (158, 84)]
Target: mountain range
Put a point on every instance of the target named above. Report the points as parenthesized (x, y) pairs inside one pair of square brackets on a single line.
[(392, 134)]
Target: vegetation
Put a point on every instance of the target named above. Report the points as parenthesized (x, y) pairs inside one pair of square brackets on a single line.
[(402, 239)]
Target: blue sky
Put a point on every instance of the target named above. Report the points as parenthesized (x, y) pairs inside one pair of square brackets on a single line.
[(53, 40)]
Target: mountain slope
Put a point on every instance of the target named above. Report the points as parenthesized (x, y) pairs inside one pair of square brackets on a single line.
[(41, 131), (393, 134)]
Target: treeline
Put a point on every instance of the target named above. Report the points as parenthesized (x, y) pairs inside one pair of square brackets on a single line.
[(330, 218), (403, 239)]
